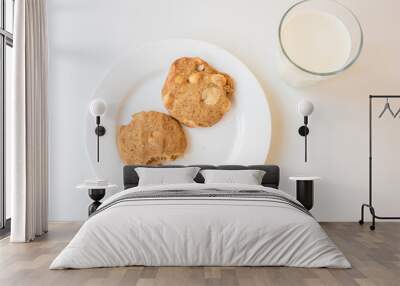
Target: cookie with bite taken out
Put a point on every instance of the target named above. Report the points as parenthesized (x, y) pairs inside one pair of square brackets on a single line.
[(151, 138)]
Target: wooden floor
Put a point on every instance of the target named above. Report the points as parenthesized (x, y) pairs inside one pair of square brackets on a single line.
[(375, 257)]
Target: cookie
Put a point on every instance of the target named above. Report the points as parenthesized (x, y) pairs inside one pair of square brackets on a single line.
[(151, 138), (195, 93)]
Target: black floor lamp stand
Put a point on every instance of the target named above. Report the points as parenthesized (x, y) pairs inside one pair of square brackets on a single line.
[(370, 205)]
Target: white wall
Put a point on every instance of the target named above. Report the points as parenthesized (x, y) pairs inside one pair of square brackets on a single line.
[(88, 36)]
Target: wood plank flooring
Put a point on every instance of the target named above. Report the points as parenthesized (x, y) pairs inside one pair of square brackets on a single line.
[(375, 257)]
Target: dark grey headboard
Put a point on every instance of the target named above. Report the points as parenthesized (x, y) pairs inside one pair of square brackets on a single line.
[(271, 177)]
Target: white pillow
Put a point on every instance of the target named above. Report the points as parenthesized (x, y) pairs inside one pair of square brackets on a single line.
[(164, 176), (248, 177)]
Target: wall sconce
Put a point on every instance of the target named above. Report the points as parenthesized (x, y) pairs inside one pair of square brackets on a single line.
[(305, 108), (97, 108)]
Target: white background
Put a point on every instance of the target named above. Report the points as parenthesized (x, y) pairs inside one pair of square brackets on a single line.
[(88, 36)]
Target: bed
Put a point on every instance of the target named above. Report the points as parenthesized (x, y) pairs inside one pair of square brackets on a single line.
[(199, 224)]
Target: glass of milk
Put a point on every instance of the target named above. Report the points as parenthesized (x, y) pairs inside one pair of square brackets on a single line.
[(318, 39)]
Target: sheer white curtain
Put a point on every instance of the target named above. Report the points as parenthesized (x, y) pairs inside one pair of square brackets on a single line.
[(27, 161)]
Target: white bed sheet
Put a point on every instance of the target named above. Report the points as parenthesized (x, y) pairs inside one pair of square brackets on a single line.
[(193, 231)]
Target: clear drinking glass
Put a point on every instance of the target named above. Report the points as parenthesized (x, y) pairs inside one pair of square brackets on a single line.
[(313, 16)]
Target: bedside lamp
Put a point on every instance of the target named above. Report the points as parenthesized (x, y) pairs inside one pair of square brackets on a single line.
[(97, 108), (305, 108)]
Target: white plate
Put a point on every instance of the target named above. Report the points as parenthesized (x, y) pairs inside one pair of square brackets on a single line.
[(134, 84)]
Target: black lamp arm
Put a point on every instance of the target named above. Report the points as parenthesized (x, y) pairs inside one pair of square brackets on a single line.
[(304, 131), (100, 131)]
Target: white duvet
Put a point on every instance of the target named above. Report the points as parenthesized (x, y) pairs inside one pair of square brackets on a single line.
[(193, 231)]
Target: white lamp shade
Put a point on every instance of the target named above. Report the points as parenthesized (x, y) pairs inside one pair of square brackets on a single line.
[(305, 107), (97, 107)]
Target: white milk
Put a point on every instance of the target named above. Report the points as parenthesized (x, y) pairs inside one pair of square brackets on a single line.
[(316, 41)]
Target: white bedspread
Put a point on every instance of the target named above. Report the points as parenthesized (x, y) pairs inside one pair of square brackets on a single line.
[(200, 231)]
